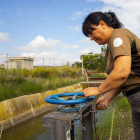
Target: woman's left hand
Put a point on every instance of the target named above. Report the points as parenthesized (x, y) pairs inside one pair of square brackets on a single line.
[(91, 91)]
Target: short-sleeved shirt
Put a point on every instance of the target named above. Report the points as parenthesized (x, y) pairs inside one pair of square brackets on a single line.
[(124, 42)]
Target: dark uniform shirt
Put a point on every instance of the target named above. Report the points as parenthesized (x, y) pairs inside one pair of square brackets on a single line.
[(124, 42)]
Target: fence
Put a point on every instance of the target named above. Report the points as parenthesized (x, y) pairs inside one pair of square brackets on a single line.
[(9, 61)]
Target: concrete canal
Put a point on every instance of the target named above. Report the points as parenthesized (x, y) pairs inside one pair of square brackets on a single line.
[(33, 129)]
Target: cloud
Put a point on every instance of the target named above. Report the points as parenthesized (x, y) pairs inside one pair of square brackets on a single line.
[(40, 55), (75, 28), (75, 46), (2, 59), (126, 11), (0, 10), (4, 37), (44, 58), (39, 43), (84, 51), (78, 60), (80, 14), (2, 22), (19, 13), (65, 46), (48, 58), (24, 54), (65, 56), (87, 40), (91, 46)]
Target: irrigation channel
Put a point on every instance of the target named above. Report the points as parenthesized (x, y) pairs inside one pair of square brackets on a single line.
[(33, 129)]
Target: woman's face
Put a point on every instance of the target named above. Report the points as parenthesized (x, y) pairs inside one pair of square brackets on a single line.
[(98, 34)]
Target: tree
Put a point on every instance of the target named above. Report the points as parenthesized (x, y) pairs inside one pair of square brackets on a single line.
[(95, 61), (101, 60), (77, 64), (89, 60), (104, 48)]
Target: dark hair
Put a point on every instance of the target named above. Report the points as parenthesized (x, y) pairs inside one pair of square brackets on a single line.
[(94, 18)]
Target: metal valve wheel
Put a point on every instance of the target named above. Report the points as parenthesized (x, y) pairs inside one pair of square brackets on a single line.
[(55, 99)]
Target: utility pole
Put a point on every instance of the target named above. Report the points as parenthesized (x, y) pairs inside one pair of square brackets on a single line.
[(54, 62), (7, 65)]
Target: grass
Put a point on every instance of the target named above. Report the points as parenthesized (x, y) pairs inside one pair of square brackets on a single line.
[(120, 116), (23, 82), (17, 86), (113, 123), (99, 75)]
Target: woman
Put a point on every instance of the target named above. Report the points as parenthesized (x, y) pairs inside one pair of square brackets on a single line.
[(122, 62)]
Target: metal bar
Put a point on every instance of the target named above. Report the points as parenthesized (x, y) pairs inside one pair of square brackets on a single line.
[(87, 122), (61, 130), (75, 97), (72, 131), (57, 98)]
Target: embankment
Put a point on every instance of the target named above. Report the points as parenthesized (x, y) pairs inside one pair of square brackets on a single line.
[(20, 109)]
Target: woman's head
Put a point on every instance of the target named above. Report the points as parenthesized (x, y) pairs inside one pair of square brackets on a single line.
[(94, 19)]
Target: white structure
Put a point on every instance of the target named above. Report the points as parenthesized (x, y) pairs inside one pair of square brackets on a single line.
[(19, 62)]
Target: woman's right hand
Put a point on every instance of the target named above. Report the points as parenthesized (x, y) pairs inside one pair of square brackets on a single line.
[(102, 103)]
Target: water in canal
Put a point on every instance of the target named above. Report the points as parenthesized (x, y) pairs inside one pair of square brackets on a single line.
[(33, 130)]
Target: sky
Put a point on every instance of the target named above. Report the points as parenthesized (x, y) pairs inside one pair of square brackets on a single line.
[(50, 31)]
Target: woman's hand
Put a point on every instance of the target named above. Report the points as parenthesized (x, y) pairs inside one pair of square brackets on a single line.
[(102, 103), (91, 91)]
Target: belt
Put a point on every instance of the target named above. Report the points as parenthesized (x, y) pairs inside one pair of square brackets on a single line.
[(132, 91)]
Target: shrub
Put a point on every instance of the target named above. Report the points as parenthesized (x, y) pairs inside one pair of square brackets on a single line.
[(25, 72), (8, 80)]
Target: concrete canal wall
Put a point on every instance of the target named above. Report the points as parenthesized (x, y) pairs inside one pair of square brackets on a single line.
[(20, 109)]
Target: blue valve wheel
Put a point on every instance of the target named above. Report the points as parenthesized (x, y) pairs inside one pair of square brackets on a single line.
[(55, 99)]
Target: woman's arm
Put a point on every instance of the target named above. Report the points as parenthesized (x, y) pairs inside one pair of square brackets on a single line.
[(121, 71), (106, 98)]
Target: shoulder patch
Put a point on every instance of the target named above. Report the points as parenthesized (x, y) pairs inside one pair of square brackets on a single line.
[(117, 42)]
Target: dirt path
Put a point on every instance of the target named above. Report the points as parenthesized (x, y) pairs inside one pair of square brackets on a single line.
[(130, 133)]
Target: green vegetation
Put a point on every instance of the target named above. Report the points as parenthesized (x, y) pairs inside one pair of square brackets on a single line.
[(77, 64), (114, 122), (95, 61), (99, 75), (24, 82)]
